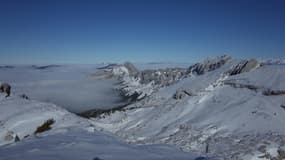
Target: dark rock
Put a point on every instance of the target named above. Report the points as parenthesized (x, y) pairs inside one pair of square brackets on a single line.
[(208, 65), (109, 66), (244, 66), (131, 68), (24, 96), (235, 84), (93, 113), (201, 158), (17, 139), (6, 88), (269, 92), (179, 94), (26, 136), (162, 77)]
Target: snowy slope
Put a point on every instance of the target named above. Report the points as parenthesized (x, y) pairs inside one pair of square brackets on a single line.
[(222, 119), (21, 117), (86, 146), (70, 137)]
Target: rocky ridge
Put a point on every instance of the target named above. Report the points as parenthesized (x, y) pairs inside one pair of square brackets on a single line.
[(224, 108)]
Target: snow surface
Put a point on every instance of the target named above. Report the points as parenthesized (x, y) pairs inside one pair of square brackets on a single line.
[(71, 137)]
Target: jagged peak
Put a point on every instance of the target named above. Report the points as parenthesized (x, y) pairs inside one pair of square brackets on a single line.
[(209, 64), (216, 59), (244, 66)]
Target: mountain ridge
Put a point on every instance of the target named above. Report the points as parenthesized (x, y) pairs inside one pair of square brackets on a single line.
[(215, 113)]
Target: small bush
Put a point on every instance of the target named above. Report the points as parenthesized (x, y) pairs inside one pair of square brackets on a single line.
[(45, 127)]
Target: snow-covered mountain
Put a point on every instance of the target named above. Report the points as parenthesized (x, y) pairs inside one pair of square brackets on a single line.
[(221, 107), (139, 84)]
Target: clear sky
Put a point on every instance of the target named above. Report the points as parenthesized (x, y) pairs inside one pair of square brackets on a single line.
[(56, 31)]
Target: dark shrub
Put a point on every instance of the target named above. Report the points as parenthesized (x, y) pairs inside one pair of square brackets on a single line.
[(45, 127)]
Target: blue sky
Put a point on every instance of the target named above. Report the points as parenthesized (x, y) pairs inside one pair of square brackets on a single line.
[(58, 31)]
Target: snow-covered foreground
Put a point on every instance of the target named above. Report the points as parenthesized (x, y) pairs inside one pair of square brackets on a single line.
[(226, 108), (70, 137), (74, 144)]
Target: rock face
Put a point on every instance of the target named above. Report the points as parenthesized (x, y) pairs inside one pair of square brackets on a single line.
[(244, 66), (144, 83), (168, 76), (181, 93), (140, 84), (162, 77), (133, 71), (209, 65)]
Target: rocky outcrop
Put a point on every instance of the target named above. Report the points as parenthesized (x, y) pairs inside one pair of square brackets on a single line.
[(24, 96), (235, 84), (109, 66), (6, 88), (265, 91), (270, 92), (143, 83), (93, 113), (133, 71), (244, 66), (208, 65), (140, 84), (181, 93), (162, 77)]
